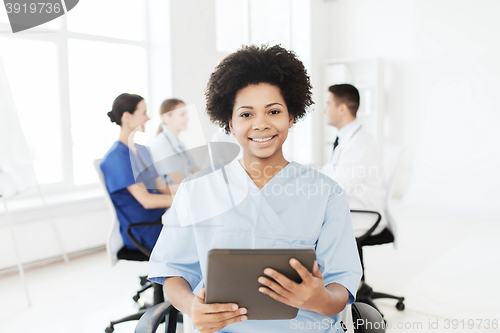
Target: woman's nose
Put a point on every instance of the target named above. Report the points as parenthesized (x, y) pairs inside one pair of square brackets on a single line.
[(260, 123)]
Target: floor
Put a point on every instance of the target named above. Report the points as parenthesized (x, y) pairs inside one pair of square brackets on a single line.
[(446, 266)]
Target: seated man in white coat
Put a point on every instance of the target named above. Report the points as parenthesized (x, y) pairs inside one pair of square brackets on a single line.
[(355, 163)]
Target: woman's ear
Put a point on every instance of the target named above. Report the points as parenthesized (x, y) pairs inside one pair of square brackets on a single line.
[(231, 126), (126, 117), (290, 122)]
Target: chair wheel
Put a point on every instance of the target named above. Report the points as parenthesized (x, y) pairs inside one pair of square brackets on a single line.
[(136, 298), (109, 329), (400, 305)]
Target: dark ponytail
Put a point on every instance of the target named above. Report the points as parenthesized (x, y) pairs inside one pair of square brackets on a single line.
[(123, 103)]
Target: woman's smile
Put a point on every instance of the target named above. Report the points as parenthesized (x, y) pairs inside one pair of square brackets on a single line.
[(263, 141)]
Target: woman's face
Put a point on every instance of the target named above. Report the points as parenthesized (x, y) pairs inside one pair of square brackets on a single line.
[(137, 119), (260, 120), (177, 119)]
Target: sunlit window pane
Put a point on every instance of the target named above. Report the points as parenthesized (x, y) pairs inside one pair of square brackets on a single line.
[(96, 79), (53, 25), (32, 72), (231, 17), (112, 18), (3, 14)]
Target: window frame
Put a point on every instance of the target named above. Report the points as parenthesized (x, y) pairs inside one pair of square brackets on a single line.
[(60, 37)]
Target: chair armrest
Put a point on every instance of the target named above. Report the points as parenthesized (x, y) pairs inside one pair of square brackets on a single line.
[(134, 240), (366, 319), (363, 317), (368, 233), (152, 318)]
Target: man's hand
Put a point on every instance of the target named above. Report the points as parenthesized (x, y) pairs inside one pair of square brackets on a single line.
[(210, 318)]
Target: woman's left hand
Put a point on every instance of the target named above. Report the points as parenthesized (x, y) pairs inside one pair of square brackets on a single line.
[(310, 294)]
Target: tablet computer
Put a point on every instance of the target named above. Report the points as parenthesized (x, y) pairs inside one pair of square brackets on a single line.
[(232, 278)]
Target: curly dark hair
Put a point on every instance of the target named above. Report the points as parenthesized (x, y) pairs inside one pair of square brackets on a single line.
[(253, 65)]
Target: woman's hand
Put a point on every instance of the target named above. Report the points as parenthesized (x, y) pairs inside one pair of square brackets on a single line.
[(173, 188), (311, 294), (210, 318)]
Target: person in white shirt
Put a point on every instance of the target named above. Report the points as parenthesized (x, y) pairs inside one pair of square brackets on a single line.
[(355, 163), (172, 160)]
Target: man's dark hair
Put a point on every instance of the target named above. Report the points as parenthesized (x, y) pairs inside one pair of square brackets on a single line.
[(253, 65), (347, 94)]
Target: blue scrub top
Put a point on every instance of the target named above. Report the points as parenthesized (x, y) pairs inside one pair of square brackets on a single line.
[(121, 168), (298, 208)]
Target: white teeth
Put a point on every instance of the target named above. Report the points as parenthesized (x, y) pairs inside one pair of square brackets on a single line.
[(262, 139)]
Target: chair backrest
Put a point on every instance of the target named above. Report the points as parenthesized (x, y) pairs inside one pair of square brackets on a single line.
[(114, 241), (392, 161)]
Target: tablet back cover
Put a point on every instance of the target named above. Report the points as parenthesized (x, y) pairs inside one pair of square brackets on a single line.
[(232, 278)]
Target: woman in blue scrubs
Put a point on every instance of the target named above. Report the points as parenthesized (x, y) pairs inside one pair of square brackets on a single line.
[(260, 201), (137, 192)]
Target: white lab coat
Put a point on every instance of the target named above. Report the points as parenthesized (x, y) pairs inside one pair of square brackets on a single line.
[(356, 165), (170, 155)]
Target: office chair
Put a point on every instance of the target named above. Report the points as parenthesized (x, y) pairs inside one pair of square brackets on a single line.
[(116, 251), (392, 157), (363, 319)]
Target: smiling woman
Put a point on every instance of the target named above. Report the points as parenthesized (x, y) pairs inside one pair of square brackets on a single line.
[(260, 122), (262, 201), (273, 65)]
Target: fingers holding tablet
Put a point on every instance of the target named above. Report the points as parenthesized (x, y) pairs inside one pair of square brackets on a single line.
[(212, 317), (305, 275), (305, 295)]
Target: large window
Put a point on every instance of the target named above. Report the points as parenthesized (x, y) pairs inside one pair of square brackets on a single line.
[(64, 76), (32, 71), (95, 79)]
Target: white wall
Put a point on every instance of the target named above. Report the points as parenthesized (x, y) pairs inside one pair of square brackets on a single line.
[(194, 55), (444, 75), (319, 53), (80, 226)]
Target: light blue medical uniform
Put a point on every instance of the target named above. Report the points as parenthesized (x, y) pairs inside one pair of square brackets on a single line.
[(121, 168), (298, 208), (171, 155)]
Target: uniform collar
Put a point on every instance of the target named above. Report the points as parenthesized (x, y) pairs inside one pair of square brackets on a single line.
[(346, 132), (171, 136)]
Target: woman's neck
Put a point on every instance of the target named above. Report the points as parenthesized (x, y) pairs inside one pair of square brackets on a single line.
[(173, 131), (127, 137), (262, 170)]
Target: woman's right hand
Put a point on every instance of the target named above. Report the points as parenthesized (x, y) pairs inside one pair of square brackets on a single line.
[(209, 318)]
